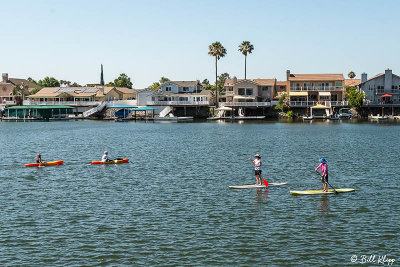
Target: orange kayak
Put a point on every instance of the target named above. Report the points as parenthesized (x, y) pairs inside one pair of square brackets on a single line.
[(116, 161), (50, 163)]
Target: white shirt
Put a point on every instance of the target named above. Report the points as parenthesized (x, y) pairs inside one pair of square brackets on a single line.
[(257, 164), (104, 158)]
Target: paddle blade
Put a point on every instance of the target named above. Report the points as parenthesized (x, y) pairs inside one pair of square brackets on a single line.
[(265, 182)]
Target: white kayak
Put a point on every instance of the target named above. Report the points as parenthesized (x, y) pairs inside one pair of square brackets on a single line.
[(317, 192), (255, 186)]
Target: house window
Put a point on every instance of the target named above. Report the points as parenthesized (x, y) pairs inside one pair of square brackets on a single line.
[(241, 91), (249, 91), (185, 89), (265, 88), (168, 89), (282, 87), (339, 84), (230, 89)]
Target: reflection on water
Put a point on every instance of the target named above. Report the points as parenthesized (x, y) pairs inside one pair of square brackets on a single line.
[(324, 204)]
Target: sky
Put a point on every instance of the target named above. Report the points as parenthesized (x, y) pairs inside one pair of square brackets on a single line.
[(148, 39)]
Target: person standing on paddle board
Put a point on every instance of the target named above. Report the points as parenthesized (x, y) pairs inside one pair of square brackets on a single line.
[(324, 173), (257, 168)]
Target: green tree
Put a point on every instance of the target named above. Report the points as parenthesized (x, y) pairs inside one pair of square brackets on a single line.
[(351, 74), (246, 48), (283, 103), (34, 91), (216, 50), (354, 97), (123, 81), (110, 84), (221, 81), (164, 80), (32, 80), (76, 85), (101, 76), (19, 92), (49, 82), (155, 85)]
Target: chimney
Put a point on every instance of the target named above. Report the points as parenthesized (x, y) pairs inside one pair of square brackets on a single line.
[(363, 77), (5, 77), (287, 75), (234, 79), (388, 79)]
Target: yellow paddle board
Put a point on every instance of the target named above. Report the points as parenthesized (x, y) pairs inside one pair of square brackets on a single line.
[(316, 192)]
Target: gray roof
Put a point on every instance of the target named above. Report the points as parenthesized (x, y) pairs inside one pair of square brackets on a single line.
[(183, 83)]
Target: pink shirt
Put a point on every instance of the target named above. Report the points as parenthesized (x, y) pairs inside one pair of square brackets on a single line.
[(323, 167)]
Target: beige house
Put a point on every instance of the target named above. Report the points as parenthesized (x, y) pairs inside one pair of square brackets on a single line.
[(248, 92), (7, 85), (307, 90), (80, 95)]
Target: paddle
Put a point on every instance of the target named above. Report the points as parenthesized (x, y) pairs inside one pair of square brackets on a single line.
[(265, 182), (334, 190)]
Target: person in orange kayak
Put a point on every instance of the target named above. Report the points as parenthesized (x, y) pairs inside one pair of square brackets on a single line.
[(105, 157), (257, 168), (324, 173), (39, 159)]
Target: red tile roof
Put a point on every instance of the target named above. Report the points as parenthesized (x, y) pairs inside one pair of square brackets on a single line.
[(316, 77)]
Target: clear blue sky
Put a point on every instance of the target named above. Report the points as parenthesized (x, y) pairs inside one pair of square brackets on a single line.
[(149, 39)]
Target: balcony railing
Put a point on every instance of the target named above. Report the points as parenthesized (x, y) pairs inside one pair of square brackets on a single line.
[(313, 103), (177, 103), (245, 104), (381, 103), (67, 103), (316, 88)]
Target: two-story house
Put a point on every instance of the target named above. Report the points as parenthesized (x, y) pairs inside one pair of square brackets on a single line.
[(248, 92), (180, 98), (6, 88), (307, 90)]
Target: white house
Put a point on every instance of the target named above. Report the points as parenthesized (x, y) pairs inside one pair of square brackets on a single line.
[(178, 87)]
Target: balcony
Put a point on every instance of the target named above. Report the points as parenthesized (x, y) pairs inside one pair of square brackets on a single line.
[(313, 103), (245, 104), (65, 103), (316, 88), (178, 103), (381, 103)]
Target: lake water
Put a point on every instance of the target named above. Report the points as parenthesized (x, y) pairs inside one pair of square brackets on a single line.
[(172, 206)]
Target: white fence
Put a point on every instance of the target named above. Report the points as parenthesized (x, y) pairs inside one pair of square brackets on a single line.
[(313, 103), (178, 103), (66, 103), (245, 104), (316, 88)]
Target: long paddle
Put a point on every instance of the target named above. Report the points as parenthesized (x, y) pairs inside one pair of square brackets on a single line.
[(334, 190)]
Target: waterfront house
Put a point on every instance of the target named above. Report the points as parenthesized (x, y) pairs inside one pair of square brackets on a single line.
[(308, 90), (83, 98), (180, 98), (280, 88), (381, 90), (6, 88)]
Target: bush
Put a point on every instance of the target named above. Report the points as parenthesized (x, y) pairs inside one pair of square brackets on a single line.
[(290, 114)]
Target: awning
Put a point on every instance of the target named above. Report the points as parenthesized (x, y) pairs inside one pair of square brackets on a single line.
[(243, 97), (319, 107), (298, 93), (122, 106), (39, 107), (224, 108), (143, 109), (324, 93), (386, 95)]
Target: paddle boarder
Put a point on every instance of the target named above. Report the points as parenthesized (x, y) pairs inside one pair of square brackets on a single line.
[(257, 168), (324, 172)]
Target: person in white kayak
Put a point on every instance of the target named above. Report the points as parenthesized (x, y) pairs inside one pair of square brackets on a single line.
[(257, 168), (105, 157)]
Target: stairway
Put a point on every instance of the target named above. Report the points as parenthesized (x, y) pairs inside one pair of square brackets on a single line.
[(165, 112), (94, 110)]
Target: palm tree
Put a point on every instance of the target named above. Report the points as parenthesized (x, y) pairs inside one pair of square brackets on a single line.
[(351, 74), (218, 51), (245, 48)]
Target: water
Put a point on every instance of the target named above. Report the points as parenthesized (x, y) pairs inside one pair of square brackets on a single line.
[(172, 204)]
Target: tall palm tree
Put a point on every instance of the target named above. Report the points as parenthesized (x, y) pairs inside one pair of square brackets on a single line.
[(218, 51), (245, 48)]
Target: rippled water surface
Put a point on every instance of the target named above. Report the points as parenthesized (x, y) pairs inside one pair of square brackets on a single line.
[(172, 206)]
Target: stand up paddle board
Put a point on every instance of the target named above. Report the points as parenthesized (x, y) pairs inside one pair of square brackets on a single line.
[(254, 186), (317, 192)]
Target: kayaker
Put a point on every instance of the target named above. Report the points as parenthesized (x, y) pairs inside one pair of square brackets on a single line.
[(324, 173), (105, 157), (39, 158), (257, 168)]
